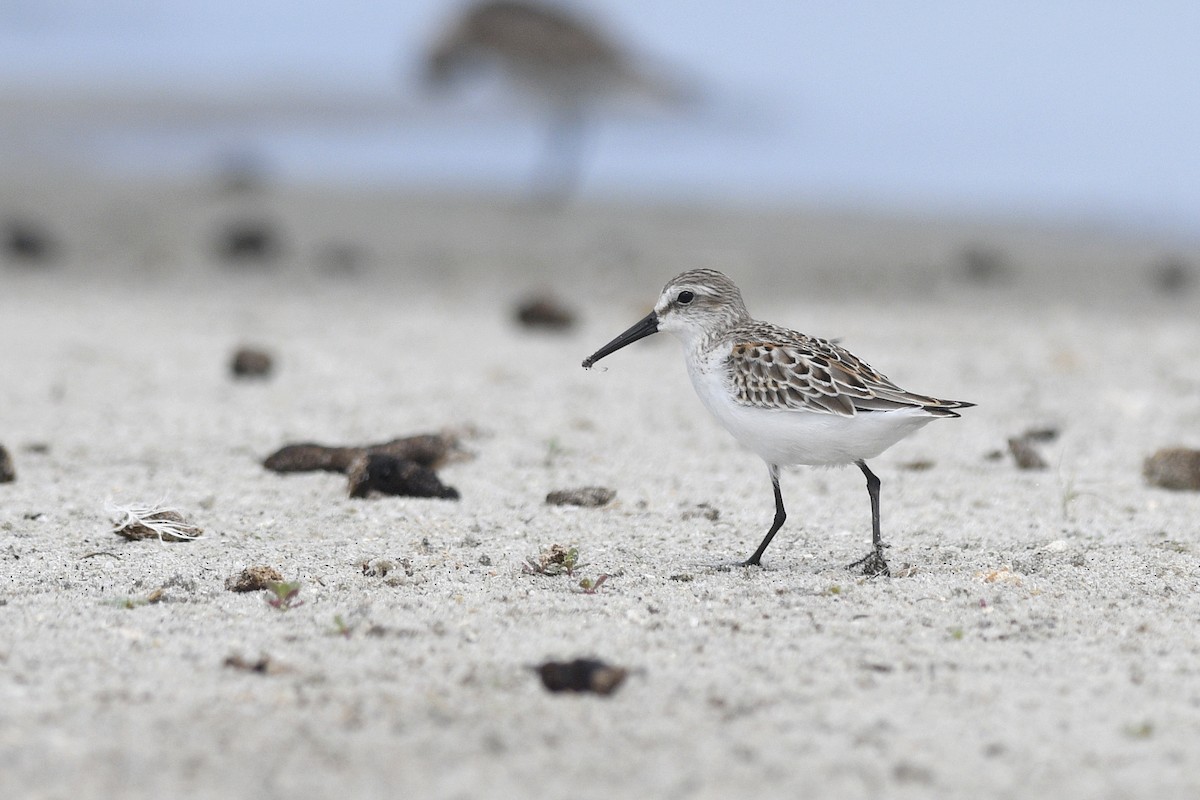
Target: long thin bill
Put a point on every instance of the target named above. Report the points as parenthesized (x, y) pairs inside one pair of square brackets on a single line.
[(640, 330)]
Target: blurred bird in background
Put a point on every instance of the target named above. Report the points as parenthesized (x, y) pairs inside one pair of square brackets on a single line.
[(567, 63)]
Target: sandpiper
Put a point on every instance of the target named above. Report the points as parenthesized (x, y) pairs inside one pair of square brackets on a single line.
[(559, 57), (789, 397)]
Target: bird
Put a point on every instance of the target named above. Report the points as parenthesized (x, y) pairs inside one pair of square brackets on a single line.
[(791, 398), (560, 58)]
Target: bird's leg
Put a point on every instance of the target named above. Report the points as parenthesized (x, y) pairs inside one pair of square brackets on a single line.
[(873, 563), (780, 515), (558, 174)]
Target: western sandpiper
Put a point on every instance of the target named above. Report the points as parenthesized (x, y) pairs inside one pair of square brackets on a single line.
[(789, 397)]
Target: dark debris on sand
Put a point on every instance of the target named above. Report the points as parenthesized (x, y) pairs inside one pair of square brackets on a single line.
[(543, 311), (28, 243), (981, 264), (403, 467), (8, 472), (164, 524), (386, 474), (1171, 276), (581, 675), (251, 362), (432, 450), (248, 241), (586, 496), (263, 665), (253, 579), (1175, 468), (1023, 450)]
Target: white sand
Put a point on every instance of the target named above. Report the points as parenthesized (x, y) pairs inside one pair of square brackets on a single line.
[(1046, 645)]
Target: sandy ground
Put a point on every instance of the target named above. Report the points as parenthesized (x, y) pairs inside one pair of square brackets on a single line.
[(1045, 643)]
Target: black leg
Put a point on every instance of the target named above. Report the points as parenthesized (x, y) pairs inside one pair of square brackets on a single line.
[(780, 516), (873, 563), (562, 162)]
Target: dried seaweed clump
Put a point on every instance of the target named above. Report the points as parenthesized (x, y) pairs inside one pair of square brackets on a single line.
[(387, 474), (137, 521), (432, 450), (581, 675), (402, 466), (587, 496), (1175, 468)]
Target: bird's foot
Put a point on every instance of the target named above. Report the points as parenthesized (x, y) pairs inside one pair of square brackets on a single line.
[(726, 566), (873, 565)]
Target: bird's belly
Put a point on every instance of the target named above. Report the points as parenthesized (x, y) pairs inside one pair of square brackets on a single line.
[(793, 436)]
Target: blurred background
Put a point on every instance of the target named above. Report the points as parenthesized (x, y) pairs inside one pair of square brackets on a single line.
[(1072, 111)]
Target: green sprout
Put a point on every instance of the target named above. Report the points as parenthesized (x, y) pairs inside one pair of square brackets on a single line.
[(285, 593)]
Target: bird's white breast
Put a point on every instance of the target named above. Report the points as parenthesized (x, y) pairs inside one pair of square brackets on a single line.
[(796, 436)]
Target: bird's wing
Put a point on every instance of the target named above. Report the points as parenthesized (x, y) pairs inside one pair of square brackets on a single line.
[(787, 370)]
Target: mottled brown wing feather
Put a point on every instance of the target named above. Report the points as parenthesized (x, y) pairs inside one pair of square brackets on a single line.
[(788, 370)]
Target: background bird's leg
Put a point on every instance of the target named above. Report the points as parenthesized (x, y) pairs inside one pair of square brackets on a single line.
[(780, 515), (561, 165), (873, 563)]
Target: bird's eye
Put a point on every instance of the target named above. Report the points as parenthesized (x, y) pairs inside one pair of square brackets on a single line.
[(685, 297)]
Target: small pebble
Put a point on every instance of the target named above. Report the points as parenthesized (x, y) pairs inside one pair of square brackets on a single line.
[(249, 362), (252, 579), (545, 312), (587, 496), (386, 474), (581, 675), (8, 473), (1175, 468)]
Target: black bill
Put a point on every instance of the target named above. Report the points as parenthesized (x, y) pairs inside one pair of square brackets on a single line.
[(640, 330)]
